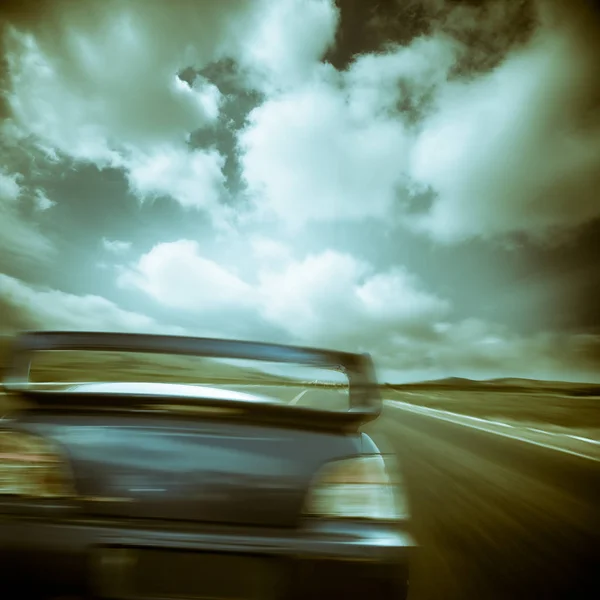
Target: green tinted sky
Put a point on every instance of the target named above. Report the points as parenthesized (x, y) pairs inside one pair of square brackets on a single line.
[(416, 179)]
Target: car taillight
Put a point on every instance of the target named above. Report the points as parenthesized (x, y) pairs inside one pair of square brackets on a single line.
[(32, 467), (358, 488)]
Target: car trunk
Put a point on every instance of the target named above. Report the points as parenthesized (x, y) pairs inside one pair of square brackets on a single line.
[(194, 470)]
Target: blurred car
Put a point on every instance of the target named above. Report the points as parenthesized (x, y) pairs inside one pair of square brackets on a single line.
[(157, 490)]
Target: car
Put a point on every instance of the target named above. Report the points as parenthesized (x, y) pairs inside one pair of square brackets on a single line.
[(169, 490)]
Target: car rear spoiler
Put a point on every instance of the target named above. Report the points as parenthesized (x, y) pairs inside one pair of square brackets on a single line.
[(365, 398)]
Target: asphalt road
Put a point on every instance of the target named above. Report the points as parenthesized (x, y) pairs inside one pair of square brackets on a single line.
[(496, 518), (321, 398)]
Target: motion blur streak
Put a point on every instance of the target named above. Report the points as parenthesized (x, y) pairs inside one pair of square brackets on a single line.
[(497, 518)]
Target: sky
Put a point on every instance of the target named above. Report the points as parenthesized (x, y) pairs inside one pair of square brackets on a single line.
[(411, 178)]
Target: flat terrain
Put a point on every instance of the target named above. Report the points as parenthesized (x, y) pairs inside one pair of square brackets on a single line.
[(538, 405)]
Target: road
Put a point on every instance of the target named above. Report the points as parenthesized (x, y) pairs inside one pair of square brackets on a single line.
[(497, 518)]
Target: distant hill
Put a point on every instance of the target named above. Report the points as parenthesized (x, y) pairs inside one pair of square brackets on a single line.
[(451, 381), (534, 383)]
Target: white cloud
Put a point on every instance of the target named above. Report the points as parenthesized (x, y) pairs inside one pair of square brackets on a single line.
[(115, 246), (193, 178), (177, 276), (328, 298), (335, 148), (311, 298), (331, 299), (501, 152), (9, 188), (510, 150), (305, 158), (469, 348), (285, 41), (41, 201), (101, 85), (27, 306), (72, 87), (402, 76)]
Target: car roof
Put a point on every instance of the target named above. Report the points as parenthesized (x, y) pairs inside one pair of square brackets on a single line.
[(168, 389)]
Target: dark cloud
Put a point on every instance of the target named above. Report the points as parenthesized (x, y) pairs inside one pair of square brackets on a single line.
[(487, 28), (569, 277), (369, 26)]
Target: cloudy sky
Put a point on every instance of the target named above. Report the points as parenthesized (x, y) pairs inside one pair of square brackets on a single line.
[(413, 178)]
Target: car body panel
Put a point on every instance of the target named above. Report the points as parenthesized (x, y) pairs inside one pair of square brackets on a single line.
[(91, 557), (207, 470)]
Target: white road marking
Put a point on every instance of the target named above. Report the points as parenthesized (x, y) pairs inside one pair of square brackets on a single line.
[(432, 412), (474, 418), (295, 400), (538, 430), (583, 439)]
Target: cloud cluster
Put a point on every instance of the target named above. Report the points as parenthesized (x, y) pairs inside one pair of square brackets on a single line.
[(193, 178), (176, 275), (462, 154), (335, 148), (332, 299), (102, 85), (430, 135), (24, 306), (515, 150), (493, 152), (326, 298), (105, 85)]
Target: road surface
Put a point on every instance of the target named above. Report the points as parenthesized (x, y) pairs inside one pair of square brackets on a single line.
[(498, 518)]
